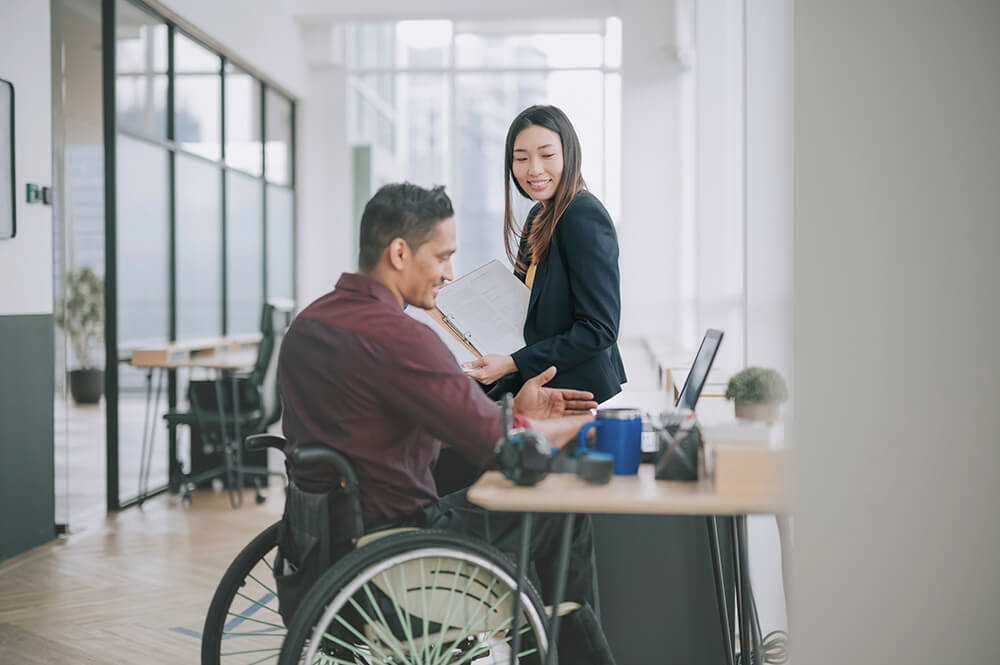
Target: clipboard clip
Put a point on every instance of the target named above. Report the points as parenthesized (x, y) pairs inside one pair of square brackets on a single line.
[(449, 321)]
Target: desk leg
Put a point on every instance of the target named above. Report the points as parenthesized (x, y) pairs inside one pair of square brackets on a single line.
[(720, 586), (523, 561), (148, 431), (744, 601), (239, 439), (562, 569), (145, 434)]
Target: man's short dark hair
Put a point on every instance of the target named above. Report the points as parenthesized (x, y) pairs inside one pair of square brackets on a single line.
[(400, 210)]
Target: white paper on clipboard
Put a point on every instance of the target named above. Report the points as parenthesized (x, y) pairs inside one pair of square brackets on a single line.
[(486, 308)]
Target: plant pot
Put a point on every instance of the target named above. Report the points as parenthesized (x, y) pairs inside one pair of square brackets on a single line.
[(765, 413), (86, 385)]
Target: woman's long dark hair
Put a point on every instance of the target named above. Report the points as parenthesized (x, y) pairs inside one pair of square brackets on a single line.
[(570, 184)]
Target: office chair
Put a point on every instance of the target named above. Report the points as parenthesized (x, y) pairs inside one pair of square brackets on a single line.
[(259, 407)]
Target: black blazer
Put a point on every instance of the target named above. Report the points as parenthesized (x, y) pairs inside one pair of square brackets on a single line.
[(575, 304)]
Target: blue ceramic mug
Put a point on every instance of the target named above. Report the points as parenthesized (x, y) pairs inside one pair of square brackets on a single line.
[(619, 433)]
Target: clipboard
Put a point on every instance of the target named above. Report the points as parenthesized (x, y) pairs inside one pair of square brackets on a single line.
[(484, 310), (451, 327)]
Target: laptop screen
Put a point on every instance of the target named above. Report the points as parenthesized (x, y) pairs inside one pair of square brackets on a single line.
[(699, 370)]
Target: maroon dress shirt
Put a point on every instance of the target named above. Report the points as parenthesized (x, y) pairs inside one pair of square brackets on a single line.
[(359, 375)]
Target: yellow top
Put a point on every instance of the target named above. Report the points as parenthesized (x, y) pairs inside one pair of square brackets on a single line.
[(529, 277)]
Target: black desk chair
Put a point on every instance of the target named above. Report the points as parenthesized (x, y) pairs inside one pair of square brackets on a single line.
[(258, 406)]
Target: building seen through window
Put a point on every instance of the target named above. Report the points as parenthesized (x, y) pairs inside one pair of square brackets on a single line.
[(431, 101)]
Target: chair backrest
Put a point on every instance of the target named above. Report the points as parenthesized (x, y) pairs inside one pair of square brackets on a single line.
[(275, 319)]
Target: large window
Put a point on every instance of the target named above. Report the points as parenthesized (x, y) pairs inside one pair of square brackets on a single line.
[(430, 102), (205, 210)]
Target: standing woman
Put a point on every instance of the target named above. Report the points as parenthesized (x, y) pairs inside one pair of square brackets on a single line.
[(567, 254)]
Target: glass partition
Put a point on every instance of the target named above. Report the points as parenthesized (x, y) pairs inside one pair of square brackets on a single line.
[(244, 148), (78, 265), (278, 150), (143, 237), (244, 253), (280, 242), (140, 71), (198, 268), (200, 236), (197, 98)]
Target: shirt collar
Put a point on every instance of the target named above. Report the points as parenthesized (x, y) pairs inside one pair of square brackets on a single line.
[(367, 287)]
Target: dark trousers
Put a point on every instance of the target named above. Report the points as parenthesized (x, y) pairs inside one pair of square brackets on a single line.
[(581, 639)]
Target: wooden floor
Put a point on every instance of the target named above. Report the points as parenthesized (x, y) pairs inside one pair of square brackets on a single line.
[(134, 589)]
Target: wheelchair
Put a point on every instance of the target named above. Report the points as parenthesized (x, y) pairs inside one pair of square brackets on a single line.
[(395, 596)]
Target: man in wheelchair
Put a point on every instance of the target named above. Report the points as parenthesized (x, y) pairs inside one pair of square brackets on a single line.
[(359, 375)]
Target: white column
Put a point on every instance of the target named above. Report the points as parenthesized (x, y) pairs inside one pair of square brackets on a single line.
[(768, 191), (769, 183), (719, 237), (325, 242)]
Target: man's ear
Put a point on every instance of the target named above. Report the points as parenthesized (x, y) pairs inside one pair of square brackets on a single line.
[(398, 253)]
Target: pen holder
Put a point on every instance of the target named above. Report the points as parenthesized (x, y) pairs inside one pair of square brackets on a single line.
[(680, 446)]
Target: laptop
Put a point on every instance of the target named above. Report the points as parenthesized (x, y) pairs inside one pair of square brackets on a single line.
[(695, 381), (693, 384)]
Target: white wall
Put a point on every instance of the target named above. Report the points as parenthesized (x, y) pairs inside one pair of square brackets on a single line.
[(326, 245), (897, 230), (26, 260), (651, 147)]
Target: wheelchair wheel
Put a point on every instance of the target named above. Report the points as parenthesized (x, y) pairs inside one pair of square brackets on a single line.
[(243, 626), (414, 598)]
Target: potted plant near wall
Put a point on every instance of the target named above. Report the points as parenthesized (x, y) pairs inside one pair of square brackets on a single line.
[(81, 317), (757, 392)]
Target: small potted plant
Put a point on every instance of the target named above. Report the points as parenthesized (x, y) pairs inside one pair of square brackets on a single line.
[(81, 317), (757, 393)]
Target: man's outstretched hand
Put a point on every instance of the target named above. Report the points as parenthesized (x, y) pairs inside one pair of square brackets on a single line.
[(536, 401), (560, 431)]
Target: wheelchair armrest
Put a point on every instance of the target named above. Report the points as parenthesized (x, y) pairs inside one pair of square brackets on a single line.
[(324, 456), (257, 442)]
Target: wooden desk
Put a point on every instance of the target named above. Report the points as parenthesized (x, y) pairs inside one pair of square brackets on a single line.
[(642, 494), (183, 352), (218, 360), (226, 355)]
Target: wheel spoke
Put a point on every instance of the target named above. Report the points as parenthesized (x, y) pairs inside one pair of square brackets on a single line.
[(403, 622), (261, 660), (462, 595), (243, 653), (257, 602), (378, 610), (447, 617), (266, 587), (247, 617)]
